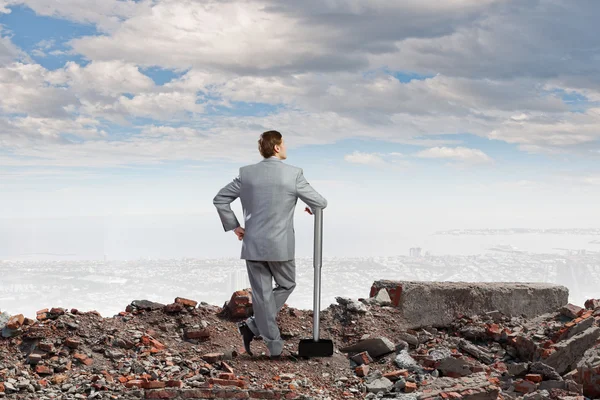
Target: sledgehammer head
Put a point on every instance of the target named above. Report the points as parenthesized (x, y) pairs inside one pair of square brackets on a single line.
[(310, 348)]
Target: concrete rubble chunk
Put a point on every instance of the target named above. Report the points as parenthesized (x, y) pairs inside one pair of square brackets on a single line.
[(375, 347), (404, 361), (446, 300), (412, 340), (571, 311), (379, 385), (351, 304), (570, 351), (383, 297), (545, 370)]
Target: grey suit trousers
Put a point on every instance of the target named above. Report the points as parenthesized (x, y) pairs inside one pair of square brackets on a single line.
[(267, 301)]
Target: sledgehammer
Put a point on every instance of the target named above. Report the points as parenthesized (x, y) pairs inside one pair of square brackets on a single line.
[(316, 347)]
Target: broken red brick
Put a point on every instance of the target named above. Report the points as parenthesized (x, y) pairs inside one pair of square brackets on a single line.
[(15, 322), (362, 370), (226, 367), (197, 334), (44, 369), (134, 383), (228, 382), (186, 302), (240, 304), (395, 375), (410, 387), (153, 384), (226, 375), (591, 304), (362, 358), (59, 379), (72, 342), (163, 394), (525, 386), (34, 358), (83, 358), (57, 310)]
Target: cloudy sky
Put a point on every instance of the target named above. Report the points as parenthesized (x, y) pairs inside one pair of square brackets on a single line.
[(405, 115)]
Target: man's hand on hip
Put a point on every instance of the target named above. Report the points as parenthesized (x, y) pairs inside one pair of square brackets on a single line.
[(239, 231)]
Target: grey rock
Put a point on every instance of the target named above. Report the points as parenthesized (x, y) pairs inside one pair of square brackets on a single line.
[(147, 305), (404, 361), (545, 370), (351, 305), (549, 385), (373, 376), (383, 297), (380, 385), (538, 395), (375, 347), (407, 396), (408, 338), (439, 353), (516, 369), (400, 384), (455, 365)]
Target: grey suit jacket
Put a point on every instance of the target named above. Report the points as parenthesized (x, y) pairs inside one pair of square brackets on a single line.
[(269, 191)]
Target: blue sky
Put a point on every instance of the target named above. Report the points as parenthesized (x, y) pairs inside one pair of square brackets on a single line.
[(157, 104)]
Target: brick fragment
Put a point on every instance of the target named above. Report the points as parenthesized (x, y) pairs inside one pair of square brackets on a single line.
[(592, 304), (535, 378), (44, 369), (202, 334), (226, 367), (362, 358), (34, 358), (571, 310), (186, 302), (161, 394), (362, 370), (83, 358), (240, 304), (134, 383), (410, 387), (395, 375), (153, 384), (15, 322), (72, 342), (525, 386), (226, 375), (228, 382)]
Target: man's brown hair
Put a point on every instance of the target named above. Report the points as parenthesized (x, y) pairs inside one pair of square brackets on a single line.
[(267, 141)]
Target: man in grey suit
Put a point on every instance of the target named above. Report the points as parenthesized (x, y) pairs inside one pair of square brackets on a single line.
[(268, 191)]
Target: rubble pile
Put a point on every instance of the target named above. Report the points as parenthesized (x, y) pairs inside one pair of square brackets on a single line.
[(191, 350)]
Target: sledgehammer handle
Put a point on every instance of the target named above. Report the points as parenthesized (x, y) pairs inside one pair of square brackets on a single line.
[(317, 260)]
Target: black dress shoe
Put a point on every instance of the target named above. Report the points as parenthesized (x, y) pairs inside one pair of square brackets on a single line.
[(247, 335)]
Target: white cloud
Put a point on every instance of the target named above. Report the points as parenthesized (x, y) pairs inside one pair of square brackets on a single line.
[(30, 92), (364, 158), (463, 154), (104, 78), (8, 51), (105, 14)]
